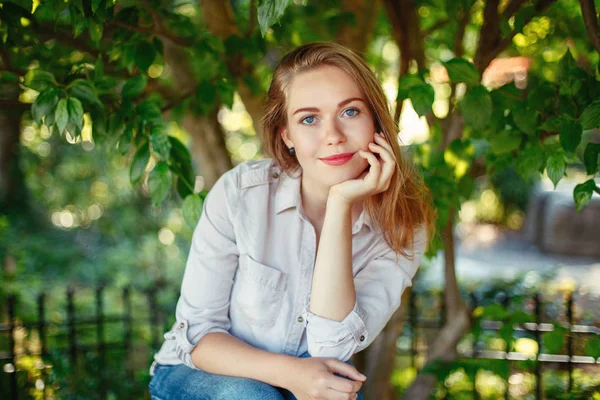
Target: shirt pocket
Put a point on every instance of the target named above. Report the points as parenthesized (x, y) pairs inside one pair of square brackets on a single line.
[(260, 291)]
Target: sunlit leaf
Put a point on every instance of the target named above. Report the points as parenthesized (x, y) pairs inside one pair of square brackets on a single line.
[(61, 115), (192, 210), (138, 165), (555, 167), (461, 70), (582, 194), (159, 182)]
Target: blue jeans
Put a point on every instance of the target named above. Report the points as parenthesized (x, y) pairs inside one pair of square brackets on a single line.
[(179, 382)]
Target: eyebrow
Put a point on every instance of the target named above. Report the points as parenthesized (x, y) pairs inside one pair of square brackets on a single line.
[(343, 103)]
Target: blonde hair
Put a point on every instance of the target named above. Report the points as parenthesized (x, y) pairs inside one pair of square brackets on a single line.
[(406, 204)]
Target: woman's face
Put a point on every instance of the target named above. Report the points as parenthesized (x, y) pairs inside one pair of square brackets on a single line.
[(328, 115)]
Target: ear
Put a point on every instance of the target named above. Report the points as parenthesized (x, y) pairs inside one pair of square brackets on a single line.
[(283, 132)]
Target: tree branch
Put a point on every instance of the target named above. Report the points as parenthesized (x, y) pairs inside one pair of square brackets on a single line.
[(588, 11), (512, 7), (438, 25), (252, 21), (153, 31), (540, 6)]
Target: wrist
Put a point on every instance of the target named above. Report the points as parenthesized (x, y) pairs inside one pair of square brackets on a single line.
[(338, 201), (285, 365)]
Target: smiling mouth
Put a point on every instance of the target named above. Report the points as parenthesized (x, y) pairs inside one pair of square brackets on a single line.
[(335, 157)]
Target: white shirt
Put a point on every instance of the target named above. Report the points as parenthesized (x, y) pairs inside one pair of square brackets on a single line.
[(250, 267)]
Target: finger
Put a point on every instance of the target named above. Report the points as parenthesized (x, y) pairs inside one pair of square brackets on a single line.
[(387, 170), (381, 140), (343, 385), (375, 170), (342, 368), (331, 394)]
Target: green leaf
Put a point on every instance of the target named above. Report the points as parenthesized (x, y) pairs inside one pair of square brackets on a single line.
[(138, 165), (476, 107), (98, 68), (555, 167), (192, 210), (461, 70), (84, 90), (582, 193), (159, 182), (567, 64), (529, 162), (495, 312), (134, 86), (125, 141), (422, 98), (206, 96), (96, 28), (150, 111), (590, 158), (525, 119), (556, 122), (570, 135), (145, 53), (505, 142), (226, 93), (39, 80), (160, 142), (61, 115), (406, 83), (75, 109), (590, 117), (553, 341), (592, 347), (269, 12), (44, 104), (95, 5)]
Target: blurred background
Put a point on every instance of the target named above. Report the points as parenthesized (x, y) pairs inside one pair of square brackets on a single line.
[(116, 117)]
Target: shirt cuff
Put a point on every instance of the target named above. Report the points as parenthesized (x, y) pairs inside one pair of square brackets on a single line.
[(183, 346), (328, 333)]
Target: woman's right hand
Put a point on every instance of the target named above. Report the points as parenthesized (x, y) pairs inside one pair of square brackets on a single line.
[(313, 378)]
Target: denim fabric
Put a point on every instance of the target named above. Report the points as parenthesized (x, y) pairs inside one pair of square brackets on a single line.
[(250, 267), (179, 382)]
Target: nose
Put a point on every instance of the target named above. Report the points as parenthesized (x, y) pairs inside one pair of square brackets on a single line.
[(334, 133)]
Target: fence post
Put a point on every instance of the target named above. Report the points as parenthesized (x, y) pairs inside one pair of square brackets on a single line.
[(570, 341), (12, 300), (412, 312), (100, 340), (153, 317), (42, 332), (539, 389), (127, 327), (72, 330)]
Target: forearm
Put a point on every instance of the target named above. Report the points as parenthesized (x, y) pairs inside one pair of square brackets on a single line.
[(333, 294), (219, 353)]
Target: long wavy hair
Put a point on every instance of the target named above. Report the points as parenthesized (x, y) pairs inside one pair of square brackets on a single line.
[(406, 205)]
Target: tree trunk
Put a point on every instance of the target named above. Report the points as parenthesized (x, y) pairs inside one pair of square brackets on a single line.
[(209, 151), (13, 192)]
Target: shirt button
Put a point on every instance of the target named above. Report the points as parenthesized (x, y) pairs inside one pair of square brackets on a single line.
[(182, 325), (275, 175), (300, 319), (362, 338)]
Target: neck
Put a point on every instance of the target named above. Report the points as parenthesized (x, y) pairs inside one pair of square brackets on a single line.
[(314, 202)]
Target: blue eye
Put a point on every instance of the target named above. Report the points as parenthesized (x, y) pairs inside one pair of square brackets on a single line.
[(353, 110), (308, 120)]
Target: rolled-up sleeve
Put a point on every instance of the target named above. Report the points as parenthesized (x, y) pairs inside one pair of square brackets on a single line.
[(379, 287), (203, 305)]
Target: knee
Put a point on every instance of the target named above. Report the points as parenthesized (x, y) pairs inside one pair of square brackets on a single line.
[(248, 389)]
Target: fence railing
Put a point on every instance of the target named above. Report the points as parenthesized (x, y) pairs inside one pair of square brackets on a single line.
[(141, 325)]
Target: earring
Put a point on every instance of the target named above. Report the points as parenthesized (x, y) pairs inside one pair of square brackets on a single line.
[(292, 152)]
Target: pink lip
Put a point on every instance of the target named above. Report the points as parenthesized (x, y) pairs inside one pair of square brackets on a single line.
[(338, 159)]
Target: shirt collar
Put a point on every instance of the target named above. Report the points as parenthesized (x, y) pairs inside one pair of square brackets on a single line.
[(288, 196)]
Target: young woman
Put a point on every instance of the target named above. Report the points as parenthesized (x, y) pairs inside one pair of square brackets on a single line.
[(299, 260)]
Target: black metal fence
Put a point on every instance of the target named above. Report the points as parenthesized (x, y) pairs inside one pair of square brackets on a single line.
[(107, 353)]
